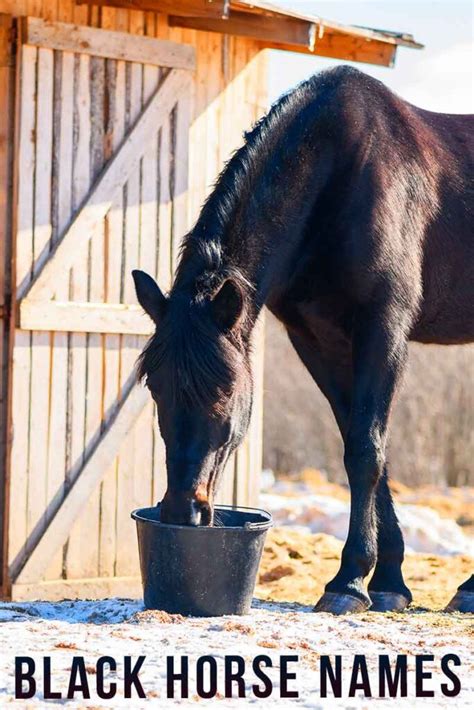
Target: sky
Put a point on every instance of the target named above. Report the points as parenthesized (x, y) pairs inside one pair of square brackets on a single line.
[(438, 78)]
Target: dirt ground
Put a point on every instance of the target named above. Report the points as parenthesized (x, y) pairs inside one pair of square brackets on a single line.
[(295, 567)]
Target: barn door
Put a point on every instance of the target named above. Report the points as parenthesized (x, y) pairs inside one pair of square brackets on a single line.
[(102, 177)]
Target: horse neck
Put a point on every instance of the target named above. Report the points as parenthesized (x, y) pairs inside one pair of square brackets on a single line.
[(269, 230), (254, 220), (265, 230)]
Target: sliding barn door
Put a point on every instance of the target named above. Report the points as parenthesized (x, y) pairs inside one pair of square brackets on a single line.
[(102, 179)]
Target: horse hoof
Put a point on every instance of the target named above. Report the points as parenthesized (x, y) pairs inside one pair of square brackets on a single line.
[(462, 601), (388, 601), (341, 604)]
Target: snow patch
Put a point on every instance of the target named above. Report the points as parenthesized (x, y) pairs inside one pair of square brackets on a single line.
[(296, 505), (113, 627)]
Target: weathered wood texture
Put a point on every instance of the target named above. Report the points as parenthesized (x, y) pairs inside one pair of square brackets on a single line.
[(191, 8), (86, 588), (114, 45), (67, 381), (7, 84), (76, 317)]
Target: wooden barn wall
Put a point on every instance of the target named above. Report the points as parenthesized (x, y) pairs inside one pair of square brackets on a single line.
[(229, 94)]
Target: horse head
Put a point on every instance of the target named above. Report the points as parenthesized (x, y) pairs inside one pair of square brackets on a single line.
[(197, 368)]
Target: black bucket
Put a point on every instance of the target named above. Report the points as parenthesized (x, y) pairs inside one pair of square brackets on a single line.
[(201, 571)]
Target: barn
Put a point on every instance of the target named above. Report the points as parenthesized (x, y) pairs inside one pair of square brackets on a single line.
[(117, 115)]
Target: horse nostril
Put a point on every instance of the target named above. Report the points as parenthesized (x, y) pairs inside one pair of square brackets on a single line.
[(185, 510), (206, 514)]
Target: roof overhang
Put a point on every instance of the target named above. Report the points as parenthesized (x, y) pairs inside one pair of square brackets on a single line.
[(277, 28)]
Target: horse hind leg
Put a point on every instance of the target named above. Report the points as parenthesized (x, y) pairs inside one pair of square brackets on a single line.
[(387, 588), (463, 600)]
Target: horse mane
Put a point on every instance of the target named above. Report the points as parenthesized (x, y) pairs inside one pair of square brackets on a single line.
[(266, 143), (201, 362)]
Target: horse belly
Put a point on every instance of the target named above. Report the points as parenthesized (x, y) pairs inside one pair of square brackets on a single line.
[(449, 319)]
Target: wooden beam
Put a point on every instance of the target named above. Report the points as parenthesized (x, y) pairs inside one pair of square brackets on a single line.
[(96, 465), (108, 44), (337, 46), (269, 29), (295, 35), (8, 179), (191, 8), (109, 182), (74, 317), (86, 588), (353, 49)]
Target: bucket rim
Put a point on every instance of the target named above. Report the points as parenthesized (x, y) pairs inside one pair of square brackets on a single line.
[(248, 526)]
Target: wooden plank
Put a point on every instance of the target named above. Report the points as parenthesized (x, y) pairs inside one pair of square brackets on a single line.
[(126, 559), (24, 259), (84, 317), (89, 520), (40, 342), (289, 30), (147, 259), (27, 156), (115, 86), (108, 44), (7, 219), (62, 208), (255, 435), (346, 47), (181, 173), (193, 8), (110, 181), (161, 213), (165, 268), (212, 164), (44, 149), (225, 493), (95, 588), (81, 177), (81, 489)]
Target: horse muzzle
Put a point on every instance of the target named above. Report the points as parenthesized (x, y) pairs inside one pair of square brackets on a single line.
[(186, 509)]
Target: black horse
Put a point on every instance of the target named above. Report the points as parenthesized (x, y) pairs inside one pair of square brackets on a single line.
[(348, 213)]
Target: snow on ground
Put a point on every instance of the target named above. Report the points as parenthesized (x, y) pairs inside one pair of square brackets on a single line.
[(294, 503), (120, 627)]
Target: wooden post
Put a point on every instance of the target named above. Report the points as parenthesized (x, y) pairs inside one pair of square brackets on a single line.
[(7, 229)]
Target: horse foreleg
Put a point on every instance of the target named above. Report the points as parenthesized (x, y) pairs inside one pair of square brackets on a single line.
[(332, 373), (379, 355)]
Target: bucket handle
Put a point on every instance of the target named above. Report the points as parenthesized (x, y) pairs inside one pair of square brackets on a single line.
[(257, 526)]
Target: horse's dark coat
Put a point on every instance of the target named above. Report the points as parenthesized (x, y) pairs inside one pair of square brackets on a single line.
[(348, 213)]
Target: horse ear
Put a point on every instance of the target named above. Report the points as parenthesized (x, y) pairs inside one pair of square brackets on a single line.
[(228, 304), (149, 295)]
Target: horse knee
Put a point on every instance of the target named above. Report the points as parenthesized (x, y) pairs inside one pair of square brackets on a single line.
[(364, 465)]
